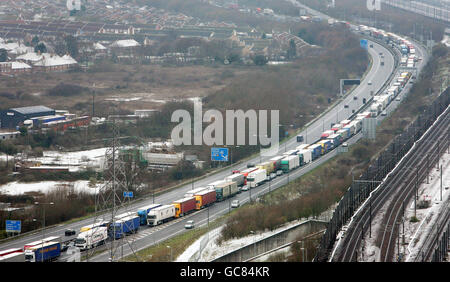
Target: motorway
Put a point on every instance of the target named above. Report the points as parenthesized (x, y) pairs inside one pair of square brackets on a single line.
[(147, 236)]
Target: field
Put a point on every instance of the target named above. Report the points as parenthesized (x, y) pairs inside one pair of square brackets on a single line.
[(146, 86)]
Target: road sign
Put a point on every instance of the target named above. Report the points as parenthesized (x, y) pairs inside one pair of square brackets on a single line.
[(219, 154), (13, 225), (128, 194)]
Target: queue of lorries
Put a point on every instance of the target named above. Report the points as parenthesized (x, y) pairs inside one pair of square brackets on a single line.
[(155, 214)]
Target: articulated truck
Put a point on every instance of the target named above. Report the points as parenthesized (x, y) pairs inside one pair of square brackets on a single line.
[(257, 177), (45, 252), (91, 238), (160, 215)]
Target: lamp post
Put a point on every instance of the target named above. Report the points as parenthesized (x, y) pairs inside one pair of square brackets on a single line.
[(170, 252), (43, 226)]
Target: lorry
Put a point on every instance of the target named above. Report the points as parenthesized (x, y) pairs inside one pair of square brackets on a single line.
[(316, 150), (184, 206), (246, 172), (336, 127), (326, 133), (289, 163), (123, 226), (277, 161), (47, 251), (91, 238), (192, 192), (336, 139), (143, 212), (259, 176), (160, 215), (39, 242), (326, 145), (345, 133), (268, 166), (238, 178), (90, 226), (375, 109), (226, 190), (205, 198), (215, 183), (352, 129), (305, 156)]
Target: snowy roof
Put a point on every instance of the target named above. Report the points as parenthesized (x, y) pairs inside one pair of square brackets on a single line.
[(55, 60), (19, 65), (32, 109), (125, 43), (98, 46), (32, 57)]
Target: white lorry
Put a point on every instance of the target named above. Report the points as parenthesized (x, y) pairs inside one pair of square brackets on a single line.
[(161, 214), (91, 238), (256, 177)]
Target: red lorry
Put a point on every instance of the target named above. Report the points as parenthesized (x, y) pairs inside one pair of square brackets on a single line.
[(205, 198), (184, 206)]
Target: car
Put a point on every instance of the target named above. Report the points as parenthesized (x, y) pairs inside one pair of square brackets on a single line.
[(279, 172), (235, 204), (369, 83), (381, 53), (355, 97), (346, 106), (273, 175), (189, 224), (69, 232), (249, 165), (344, 145), (245, 188), (397, 99), (384, 113), (382, 63)]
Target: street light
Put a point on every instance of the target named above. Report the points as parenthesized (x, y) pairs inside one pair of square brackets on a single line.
[(170, 252), (43, 226)]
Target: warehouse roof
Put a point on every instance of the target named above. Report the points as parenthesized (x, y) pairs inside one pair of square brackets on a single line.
[(32, 110)]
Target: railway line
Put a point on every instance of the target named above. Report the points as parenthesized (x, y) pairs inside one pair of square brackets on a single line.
[(394, 191)]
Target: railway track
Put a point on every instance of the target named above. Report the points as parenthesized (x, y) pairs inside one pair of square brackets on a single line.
[(426, 251), (395, 191)]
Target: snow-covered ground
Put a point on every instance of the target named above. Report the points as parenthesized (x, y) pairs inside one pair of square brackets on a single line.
[(74, 160), (415, 233), (15, 188)]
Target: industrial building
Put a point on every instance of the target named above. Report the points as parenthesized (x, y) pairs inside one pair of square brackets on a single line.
[(15, 117)]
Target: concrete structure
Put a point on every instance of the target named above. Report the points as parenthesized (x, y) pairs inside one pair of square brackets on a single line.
[(281, 238)]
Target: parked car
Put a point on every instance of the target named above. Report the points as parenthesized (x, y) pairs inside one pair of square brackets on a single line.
[(69, 232), (189, 224), (235, 204)]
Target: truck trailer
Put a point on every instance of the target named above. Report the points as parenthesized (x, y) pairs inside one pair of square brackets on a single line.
[(205, 198), (226, 190), (237, 177), (124, 226), (91, 238), (305, 156), (258, 176), (316, 150), (160, 215), (45, 252), (13, 257), (184, 206), (289, 163)]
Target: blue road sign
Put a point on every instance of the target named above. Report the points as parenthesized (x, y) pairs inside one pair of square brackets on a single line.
[(13, 225), (128, 194), (363, 43), (219, 154)]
